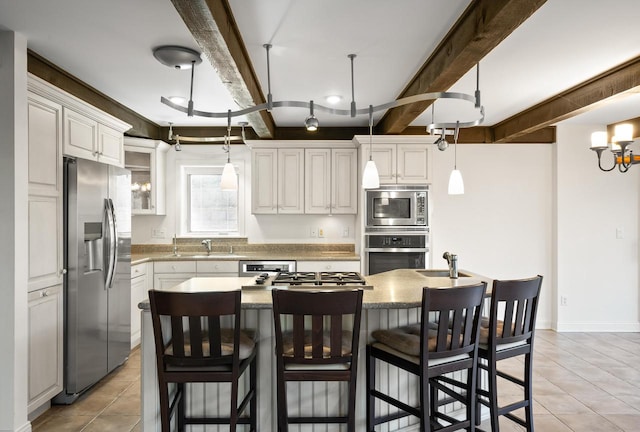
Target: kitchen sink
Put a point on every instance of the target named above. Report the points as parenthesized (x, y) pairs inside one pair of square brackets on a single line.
[(441, 273)]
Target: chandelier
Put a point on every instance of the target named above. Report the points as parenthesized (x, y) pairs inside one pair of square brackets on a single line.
[(622, 138)]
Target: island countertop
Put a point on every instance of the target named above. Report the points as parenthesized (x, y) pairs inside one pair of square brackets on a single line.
[(395, 289)]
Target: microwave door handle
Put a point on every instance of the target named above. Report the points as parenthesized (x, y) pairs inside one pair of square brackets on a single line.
[(401, 250)]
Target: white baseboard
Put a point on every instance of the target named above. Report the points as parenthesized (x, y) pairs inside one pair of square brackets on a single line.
[(591, 327)]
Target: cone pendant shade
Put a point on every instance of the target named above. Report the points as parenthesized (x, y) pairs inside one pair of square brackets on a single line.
[(229, 180), (370, 177), (456, 185)]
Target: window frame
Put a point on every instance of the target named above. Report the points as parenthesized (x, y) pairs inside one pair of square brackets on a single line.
[(211, 165)]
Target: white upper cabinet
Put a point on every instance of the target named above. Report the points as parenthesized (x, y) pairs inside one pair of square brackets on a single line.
[(147, 160), (277, 181), (399, 159), (331, 185), (86, 132)]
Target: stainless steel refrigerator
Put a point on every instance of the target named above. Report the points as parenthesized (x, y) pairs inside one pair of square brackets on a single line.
[(97, 286)]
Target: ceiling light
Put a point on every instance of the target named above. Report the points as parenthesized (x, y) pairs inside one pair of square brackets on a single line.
[(456, 185), (370, 176), (177, 57), (333, 99), (229, 179), (311, 122), (177, 99), (619, 142), (270, 104)]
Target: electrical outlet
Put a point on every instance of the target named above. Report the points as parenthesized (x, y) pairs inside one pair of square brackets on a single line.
[(619, 233), (313, 232), (345, 232), (158, 233), (563, 301), (320, 232)]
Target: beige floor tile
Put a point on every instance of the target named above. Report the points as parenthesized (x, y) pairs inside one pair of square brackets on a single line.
[(549, 423), (125, 405), (66, 423), (112, 423), (588, 422), (628, 423), (562, 404)]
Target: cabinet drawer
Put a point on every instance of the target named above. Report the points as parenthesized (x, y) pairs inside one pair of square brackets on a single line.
[(217, 267), (174, 267), (138, 270), (318, 266)]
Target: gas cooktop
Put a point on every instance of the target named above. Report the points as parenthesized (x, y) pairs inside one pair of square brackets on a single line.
[(328, 280)]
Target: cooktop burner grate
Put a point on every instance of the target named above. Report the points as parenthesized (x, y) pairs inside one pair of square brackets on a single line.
[(321, 278)]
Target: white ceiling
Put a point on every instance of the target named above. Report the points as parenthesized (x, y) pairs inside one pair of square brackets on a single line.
[(108, 45)]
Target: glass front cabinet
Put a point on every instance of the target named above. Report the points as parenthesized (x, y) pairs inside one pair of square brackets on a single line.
[(146, 159)]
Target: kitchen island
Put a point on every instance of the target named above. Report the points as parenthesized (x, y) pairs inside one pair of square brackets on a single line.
[(394, 301)]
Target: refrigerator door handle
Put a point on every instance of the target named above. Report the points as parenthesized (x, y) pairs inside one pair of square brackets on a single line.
[(110, 256), (116, 241)]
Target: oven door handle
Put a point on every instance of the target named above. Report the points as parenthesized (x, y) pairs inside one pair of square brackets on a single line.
[(397, 250)]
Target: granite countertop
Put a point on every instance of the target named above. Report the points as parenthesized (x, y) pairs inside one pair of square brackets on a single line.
[(395, 289), (142, 257)]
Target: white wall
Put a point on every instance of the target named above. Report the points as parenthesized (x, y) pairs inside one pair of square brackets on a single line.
[(596, 272), (502, 225), (13, 231), (258, 228)]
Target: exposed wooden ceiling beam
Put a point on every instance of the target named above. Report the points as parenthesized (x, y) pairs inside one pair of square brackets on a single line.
[(482, 26), (579, 99), (212, 25)]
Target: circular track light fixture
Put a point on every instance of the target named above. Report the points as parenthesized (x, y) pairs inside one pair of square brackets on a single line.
[(177, 57)]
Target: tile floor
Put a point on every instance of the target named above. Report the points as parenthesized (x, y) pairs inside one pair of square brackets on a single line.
[(583, 382)]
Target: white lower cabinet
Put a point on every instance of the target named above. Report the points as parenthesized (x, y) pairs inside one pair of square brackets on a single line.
[(320, 266), (216, 268), (170, 273), (139, 292), (45, 345)]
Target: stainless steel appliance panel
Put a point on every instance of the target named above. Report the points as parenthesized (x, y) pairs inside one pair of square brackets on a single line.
[(397, 206), (97, 317), (384, 252)]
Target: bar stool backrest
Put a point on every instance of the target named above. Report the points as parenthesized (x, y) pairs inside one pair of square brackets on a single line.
[(316, 321), (457, 316), (514, 306), (191, 335)]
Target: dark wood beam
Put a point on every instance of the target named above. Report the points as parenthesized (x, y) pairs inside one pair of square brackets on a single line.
[(484, 135), (482, 26), (579, 99), (213, 27), (42, 68)]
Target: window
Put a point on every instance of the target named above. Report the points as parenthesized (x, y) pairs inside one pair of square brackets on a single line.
[(207, 210)]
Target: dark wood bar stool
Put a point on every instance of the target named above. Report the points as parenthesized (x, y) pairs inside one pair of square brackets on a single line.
[(313, 345), (509, 333), (447, 345), (192, 346)]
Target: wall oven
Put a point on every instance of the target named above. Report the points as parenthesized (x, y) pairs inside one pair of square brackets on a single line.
[(389, 251), (397, 207)]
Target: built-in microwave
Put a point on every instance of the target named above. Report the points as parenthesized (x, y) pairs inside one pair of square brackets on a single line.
[(397, 206)]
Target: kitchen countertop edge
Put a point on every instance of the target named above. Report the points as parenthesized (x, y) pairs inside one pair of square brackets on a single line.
[(142, 258)]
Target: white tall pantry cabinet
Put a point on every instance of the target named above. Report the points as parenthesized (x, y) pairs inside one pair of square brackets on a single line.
[(45, 250)]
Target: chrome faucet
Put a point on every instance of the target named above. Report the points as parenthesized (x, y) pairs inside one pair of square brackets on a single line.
[(452, 260), (207, 245), (175, 246)]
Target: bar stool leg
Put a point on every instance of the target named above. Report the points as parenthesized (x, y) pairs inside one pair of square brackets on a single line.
[(528, 390), (493, 394), (253, 384), (371, 385), (425, 424), (181, 407)]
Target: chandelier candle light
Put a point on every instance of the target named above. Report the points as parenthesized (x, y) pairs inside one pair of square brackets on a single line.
[(622, 138)]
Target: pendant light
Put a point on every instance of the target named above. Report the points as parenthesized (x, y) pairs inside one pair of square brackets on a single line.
[(229, 180), (370, 177), (456, 185)]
